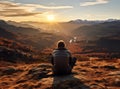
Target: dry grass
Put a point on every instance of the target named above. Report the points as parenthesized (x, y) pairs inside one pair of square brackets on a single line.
[(86, 74)]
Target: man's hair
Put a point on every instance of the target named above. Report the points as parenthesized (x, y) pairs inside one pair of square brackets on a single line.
[(61, 44)]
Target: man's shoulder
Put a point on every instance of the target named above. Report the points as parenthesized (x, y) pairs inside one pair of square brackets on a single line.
[(59, 51), (54, 50)]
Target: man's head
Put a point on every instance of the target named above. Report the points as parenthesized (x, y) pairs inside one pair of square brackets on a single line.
[(61, 44)]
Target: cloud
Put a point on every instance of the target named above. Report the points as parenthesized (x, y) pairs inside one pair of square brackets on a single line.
[(49, 7), (16, 12), (96, 2), (11, 9)]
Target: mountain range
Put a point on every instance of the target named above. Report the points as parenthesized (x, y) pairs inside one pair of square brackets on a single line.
[(96, 31), (27, 35), (80, 21), (40, 39)]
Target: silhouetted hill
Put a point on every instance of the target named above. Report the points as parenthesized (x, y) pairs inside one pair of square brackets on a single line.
[(18, 30), (6, 34), (18, 24), (93, 32)]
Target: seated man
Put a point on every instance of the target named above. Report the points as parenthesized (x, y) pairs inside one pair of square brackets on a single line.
[(61, 60)]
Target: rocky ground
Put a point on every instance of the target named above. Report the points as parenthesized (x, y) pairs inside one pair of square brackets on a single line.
[(92, 74)]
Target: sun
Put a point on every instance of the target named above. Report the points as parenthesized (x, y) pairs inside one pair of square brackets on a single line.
[(50, 18)]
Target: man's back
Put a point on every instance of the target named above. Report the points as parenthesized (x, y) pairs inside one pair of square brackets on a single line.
[(61, 61)]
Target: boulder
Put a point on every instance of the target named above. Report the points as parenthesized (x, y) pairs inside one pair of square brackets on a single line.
[(37, 73)]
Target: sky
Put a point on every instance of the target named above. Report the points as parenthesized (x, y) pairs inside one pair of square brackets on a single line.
[(61, 10)]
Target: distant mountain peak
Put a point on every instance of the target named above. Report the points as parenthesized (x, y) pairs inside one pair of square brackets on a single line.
[(80, 21)]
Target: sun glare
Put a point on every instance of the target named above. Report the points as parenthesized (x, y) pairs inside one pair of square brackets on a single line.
[(50, 18)]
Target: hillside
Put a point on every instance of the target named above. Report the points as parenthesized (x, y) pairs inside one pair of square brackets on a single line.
[(57, 28), (25, 64), (94, 74), (98, 40), (94, 32), (29, 36), (6, 34), (18, 24), (18, 29), (12, 51)]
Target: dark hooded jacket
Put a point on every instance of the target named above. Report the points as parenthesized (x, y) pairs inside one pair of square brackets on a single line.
[(60, 60)]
